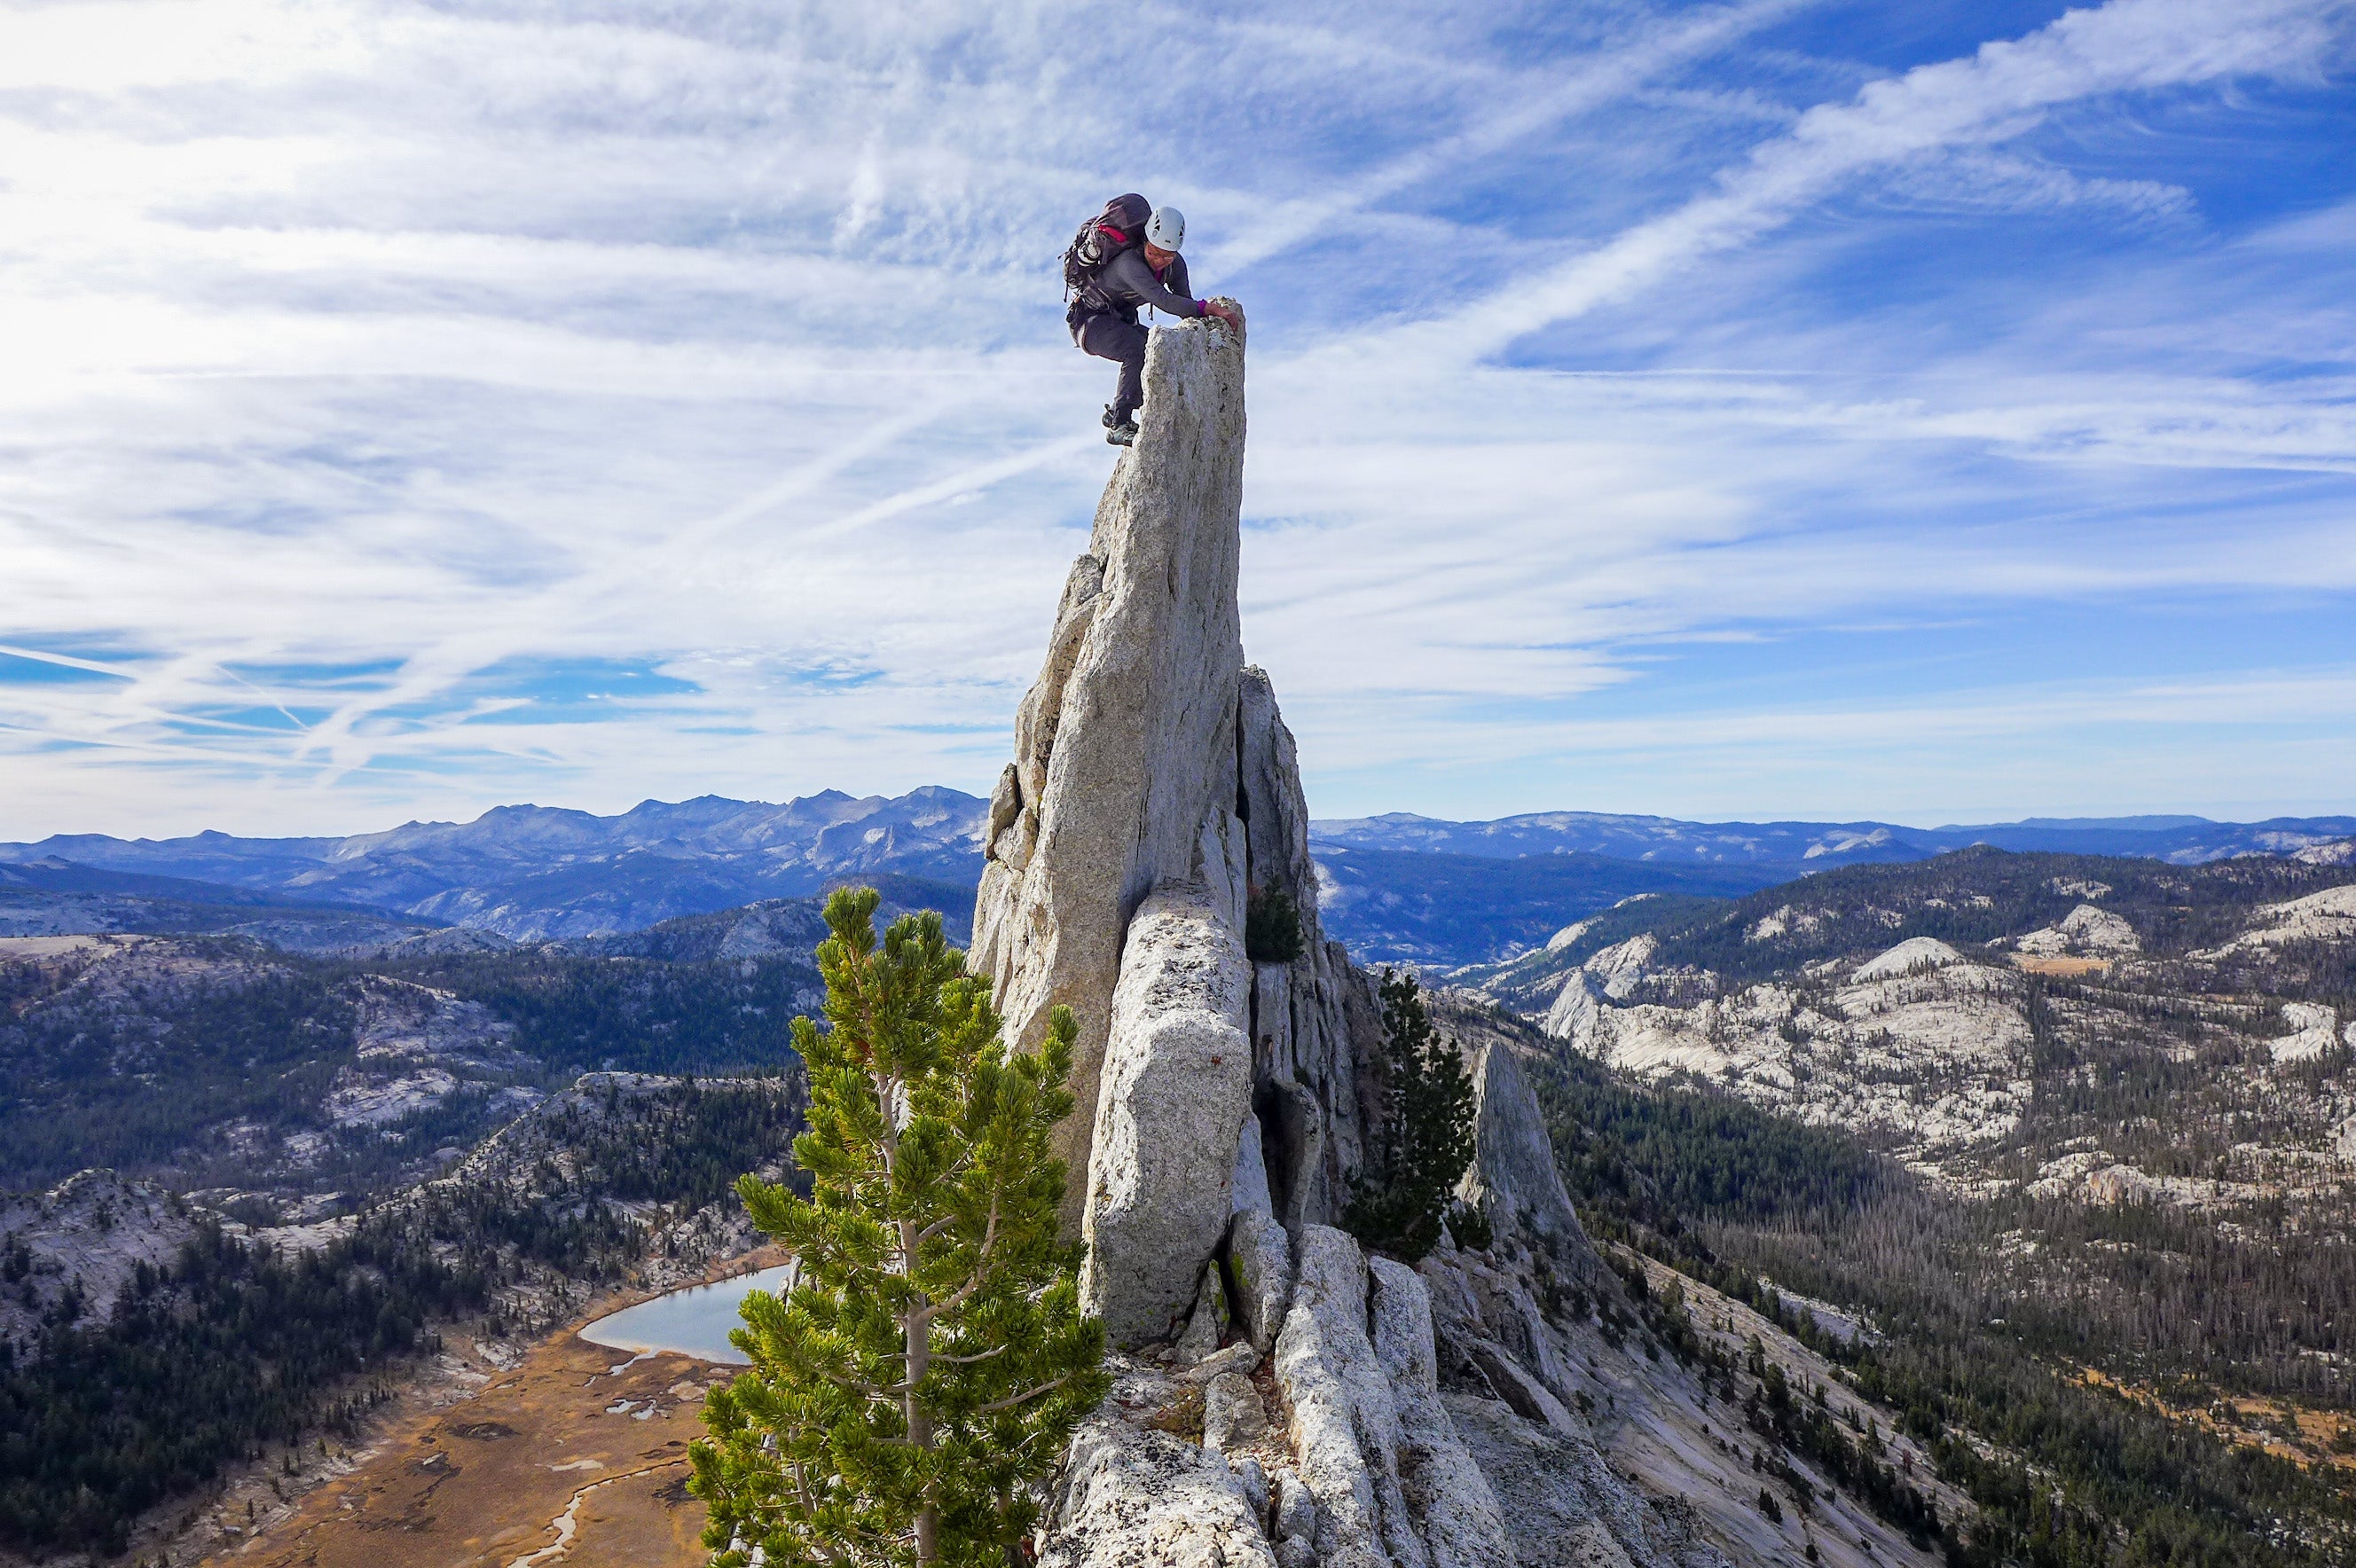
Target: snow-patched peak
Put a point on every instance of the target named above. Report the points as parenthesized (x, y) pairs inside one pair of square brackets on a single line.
[(1914, 953)]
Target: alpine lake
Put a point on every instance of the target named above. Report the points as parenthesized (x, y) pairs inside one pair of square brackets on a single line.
[(695, 1321)]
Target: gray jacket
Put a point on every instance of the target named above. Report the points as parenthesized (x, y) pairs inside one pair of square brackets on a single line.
[(1128, 283)]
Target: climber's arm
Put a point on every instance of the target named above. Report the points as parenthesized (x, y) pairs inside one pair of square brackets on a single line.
[(1137, 279)]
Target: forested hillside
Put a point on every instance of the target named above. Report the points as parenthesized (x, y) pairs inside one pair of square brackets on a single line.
[(216, 1064), (1991, 1372), (103, 1416), (320, 1159), (2073, 1134)]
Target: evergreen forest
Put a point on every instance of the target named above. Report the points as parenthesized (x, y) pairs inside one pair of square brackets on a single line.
[(1987, 1365)]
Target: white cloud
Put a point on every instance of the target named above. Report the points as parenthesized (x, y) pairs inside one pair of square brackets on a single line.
[(446, 341), (1995, 96)]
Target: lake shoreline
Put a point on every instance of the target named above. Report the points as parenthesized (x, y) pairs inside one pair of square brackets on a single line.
[(692, 1321)]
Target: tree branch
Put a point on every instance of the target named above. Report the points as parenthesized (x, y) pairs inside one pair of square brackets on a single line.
[(1009, 1403), (969, 1360)]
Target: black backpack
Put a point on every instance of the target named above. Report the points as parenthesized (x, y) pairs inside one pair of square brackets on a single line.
[(1120, 226)]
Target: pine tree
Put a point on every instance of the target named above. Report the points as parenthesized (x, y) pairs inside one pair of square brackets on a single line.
[(1424, 1140), (930, 1360), (1272, 926)]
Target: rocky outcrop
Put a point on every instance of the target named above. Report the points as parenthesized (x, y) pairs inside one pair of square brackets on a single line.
[(1447, 1495), (1151, 764), (1344, 1433), (1315, 1015), (1282, 1398), (1175, 1091), (2084, 930), (1124, 771), (1513, 1180), (1134, 1494), (1913, 954), (1935, 1055), (1259, 1274), (1551, 1483), (76, 1247)]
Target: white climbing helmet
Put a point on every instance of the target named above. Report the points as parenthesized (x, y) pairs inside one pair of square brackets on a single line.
[(1167, 230)]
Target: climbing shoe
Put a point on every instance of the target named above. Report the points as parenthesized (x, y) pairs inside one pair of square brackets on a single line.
[(1122, 434)]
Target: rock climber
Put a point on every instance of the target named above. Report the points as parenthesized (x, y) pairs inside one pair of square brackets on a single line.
[(1124, 259)]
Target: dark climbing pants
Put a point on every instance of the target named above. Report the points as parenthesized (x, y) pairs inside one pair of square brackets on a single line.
[(1107, 337)]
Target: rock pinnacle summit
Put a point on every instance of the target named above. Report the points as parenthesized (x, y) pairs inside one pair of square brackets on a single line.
[(1153, 803)]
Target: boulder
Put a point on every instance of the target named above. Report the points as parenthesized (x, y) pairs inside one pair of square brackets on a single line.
[(1173, 1096), (1259, 1275), (1232, 1417), (1295, 1508), (1344, 1433), (1206, 1324), (1454, 1510), (1251, 1478), (1125, 748), (1238, 1357), (1247, 1190), (1131, 1495)]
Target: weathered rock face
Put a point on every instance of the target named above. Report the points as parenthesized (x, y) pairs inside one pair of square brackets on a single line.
[(85, 1237), (1344, 1433), (1457, 1514), (1148, 759), (1124, 775), (1282, 1399), (1514, 1179), (1176, 1087), (1315, 1018), (1137, 1495)]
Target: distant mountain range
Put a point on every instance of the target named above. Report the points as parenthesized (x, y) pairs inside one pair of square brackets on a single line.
[(1813, 846), (535, 873), (1399, 886)]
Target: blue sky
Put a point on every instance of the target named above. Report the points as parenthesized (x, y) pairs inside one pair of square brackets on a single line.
[(1929, 412)]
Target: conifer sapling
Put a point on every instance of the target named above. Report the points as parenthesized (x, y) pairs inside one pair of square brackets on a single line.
[(930, 1360), (1424, 1140)]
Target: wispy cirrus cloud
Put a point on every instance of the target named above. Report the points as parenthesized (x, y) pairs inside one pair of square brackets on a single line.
[(415, 407)]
